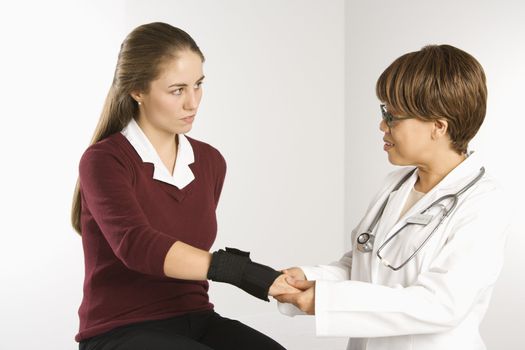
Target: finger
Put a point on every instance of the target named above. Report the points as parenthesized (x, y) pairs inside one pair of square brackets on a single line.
[(303, 285), (285, 298), (279, 298), (290, 290), (283, 289)]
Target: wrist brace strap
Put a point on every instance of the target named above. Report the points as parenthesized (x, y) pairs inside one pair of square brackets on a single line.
[(235, 267)]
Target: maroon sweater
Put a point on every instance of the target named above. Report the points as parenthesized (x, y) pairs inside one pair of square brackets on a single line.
[(129, 221)]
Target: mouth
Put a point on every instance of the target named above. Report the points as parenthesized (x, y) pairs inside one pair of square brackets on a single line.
[(188, 119), (388, 145)]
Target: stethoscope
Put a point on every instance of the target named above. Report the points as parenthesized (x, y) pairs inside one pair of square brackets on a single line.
[(365, 241)]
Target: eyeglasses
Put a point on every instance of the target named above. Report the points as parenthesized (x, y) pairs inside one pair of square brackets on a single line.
[(389, 118)]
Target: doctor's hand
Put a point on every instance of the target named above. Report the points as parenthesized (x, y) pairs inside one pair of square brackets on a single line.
[(295, 272), (280, 286), (305, 300)]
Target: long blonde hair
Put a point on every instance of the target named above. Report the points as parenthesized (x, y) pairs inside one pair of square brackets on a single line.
[(139, 62)]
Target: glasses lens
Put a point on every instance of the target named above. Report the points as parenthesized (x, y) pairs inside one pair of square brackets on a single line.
[(387, 117)]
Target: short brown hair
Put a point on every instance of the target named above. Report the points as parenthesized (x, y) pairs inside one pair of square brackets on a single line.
[(438, 82)]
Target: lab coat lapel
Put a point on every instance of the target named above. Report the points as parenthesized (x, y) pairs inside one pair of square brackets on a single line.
[(388, 222), (459, 177)]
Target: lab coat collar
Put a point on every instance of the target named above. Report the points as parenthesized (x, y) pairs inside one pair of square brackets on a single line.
[(457, 178), (182, 174), (463, 173)]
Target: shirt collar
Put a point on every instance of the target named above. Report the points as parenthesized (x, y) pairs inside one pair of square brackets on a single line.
[(182, 174)]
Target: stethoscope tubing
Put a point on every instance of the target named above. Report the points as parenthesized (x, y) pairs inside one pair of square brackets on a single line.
[(366, 239)]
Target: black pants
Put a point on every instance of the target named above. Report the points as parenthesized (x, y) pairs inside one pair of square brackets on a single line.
[(205, 330)]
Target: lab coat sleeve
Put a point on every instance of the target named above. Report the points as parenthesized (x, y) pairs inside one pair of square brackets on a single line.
[(106, 187), (441, 297), (336, 271)]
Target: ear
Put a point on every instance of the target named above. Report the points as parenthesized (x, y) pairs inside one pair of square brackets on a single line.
[(136, 95), (440, 129)]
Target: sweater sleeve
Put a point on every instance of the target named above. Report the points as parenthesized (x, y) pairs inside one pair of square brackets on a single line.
[(106, 185), (220, 176)]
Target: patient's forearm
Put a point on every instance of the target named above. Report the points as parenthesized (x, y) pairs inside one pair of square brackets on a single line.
[(184, 261), (229, 266)]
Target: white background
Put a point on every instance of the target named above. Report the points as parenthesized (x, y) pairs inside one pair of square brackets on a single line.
[(289, 100)]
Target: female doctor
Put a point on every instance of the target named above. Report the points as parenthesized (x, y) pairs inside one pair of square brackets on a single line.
[(429, 249)]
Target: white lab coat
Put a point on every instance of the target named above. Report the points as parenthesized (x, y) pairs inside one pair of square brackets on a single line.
[(439, 298)]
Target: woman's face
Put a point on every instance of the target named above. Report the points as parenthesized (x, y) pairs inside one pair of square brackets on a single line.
[(172, 101), (408, 141)]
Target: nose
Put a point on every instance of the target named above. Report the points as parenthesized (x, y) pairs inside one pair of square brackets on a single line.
[(383, 127), (191, 102)]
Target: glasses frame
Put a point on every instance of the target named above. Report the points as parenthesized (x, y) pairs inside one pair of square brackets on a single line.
[(389, 118)]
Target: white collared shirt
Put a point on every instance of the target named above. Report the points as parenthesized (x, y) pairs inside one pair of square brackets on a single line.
[(182, 174)]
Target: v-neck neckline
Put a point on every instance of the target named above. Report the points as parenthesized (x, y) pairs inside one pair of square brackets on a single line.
[(149, 168)]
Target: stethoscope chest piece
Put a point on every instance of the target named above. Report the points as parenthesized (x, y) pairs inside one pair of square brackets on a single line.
[(365, 242)]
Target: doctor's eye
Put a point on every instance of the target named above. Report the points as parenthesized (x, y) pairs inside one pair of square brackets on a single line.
[(198, 85)]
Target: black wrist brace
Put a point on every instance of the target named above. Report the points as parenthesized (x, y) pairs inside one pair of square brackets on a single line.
[(235, 267)]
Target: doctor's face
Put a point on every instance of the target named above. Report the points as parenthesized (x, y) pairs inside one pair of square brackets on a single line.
[(407, 141), (173, 98)]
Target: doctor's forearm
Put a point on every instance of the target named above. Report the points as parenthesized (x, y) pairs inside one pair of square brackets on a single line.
[(344, 307)]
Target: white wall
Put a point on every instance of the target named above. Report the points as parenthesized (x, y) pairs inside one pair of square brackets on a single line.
[(288, 100), (273, 104), (377, 32)]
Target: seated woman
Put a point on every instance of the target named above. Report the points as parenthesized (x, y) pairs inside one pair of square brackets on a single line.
[(428, 251), (145, 206)]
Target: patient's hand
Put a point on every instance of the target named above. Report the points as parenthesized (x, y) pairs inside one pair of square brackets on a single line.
[(295, 272), (305, 300), (280, 286)]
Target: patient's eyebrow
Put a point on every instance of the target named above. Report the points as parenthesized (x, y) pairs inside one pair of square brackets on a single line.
[(183, 85)]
